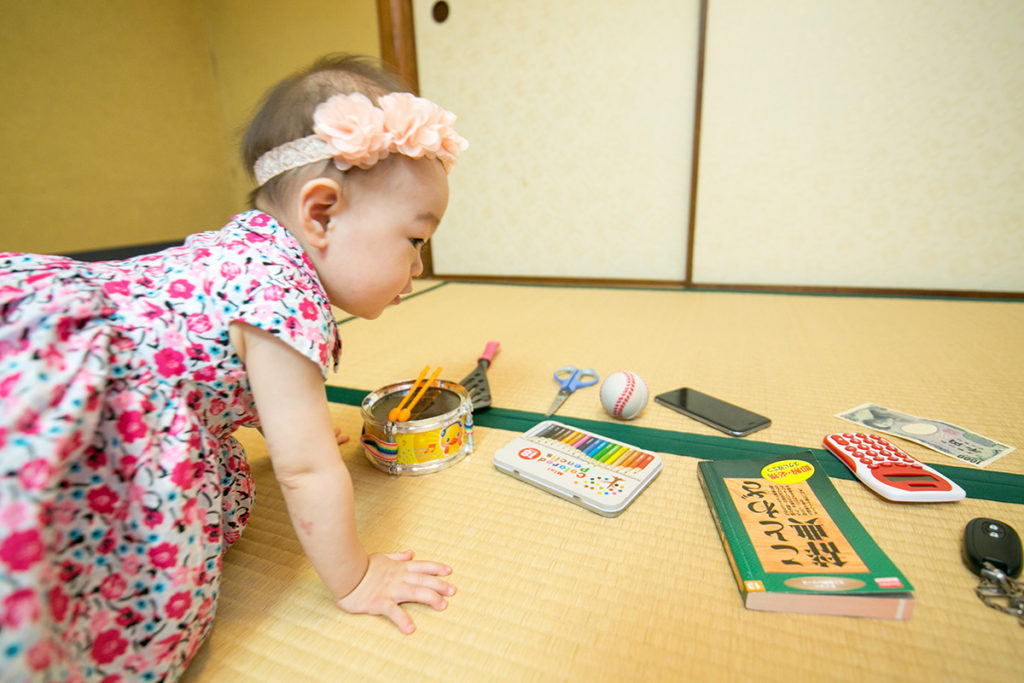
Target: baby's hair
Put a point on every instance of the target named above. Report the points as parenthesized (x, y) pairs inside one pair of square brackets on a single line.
[(286, 112)]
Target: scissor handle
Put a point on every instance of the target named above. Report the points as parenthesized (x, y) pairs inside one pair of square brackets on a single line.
[(572, 378)]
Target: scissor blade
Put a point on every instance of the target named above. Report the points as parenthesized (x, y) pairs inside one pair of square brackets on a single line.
[(557, 403)]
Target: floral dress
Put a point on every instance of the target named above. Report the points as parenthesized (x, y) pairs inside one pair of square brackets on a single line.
[(121, 486)]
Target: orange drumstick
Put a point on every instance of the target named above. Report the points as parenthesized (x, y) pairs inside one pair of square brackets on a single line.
[(407, 411), (395, 413)]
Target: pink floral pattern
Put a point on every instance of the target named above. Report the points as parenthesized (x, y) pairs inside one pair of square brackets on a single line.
[(121, 486)]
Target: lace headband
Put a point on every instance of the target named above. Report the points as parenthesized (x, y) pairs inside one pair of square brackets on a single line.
[(353, 132)]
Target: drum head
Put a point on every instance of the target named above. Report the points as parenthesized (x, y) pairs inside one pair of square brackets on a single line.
[(435, 402)]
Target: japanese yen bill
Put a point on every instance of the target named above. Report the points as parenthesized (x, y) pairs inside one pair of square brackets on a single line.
[(943, 437)]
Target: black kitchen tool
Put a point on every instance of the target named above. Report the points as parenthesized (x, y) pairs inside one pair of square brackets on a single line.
[(476, 383)]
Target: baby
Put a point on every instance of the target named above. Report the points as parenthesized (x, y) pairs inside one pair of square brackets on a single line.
[(121, 383)]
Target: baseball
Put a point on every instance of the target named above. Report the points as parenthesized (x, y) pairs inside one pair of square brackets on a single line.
[(623, 395)]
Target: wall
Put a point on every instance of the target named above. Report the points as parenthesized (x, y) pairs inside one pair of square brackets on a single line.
[(580, 121), (111, 131), (121, 118), (871, 144), (864, 144), (256, 43)]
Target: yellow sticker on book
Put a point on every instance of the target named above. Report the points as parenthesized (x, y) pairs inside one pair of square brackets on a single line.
[(788, 471)]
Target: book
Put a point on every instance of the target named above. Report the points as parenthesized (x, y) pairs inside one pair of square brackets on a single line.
[(793, 543)]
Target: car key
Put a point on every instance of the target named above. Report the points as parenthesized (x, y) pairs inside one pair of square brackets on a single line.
[(994, 542), (992, 550)]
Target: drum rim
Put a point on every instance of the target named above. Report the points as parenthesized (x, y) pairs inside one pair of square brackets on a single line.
[(464, 407)]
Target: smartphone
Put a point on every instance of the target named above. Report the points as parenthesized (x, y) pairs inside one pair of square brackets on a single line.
[(712, 411)]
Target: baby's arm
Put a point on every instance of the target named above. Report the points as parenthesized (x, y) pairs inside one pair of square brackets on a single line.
[(290, 398)]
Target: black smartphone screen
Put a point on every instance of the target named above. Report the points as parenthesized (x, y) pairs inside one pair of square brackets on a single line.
[(714, 412)]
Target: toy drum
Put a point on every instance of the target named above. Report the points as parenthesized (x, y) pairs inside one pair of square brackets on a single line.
[(437, 435)]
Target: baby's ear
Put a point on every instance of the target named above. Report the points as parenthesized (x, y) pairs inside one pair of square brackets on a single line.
[(319, 200)]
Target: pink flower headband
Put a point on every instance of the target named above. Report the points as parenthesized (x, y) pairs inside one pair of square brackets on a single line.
[(353, 132)]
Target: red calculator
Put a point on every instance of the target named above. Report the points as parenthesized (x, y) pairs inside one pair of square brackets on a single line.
[(890, 471)]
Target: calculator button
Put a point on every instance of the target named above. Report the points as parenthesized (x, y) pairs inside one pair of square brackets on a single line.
[(879, 464)]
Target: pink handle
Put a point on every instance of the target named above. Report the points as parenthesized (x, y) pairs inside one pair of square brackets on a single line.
[(489, 351)]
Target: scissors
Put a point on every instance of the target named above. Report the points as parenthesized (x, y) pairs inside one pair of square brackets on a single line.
[(570, 378)]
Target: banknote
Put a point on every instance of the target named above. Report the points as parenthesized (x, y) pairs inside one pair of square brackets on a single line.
[(948, 439)]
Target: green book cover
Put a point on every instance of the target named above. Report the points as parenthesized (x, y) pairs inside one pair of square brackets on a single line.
[(793, 543)]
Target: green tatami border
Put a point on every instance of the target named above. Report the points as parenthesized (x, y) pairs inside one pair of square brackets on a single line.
[(1003, 487)]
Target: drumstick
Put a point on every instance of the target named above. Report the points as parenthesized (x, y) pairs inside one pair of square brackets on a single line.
[(396, 412), (407, 411)]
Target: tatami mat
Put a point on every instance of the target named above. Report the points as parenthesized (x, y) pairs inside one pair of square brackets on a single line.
[(797, 359), (549, 591)]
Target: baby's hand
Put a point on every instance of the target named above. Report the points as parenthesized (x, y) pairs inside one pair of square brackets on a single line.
[(339, 437), (395, 578)]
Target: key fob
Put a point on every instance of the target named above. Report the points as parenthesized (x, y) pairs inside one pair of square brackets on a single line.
[(992, 541)]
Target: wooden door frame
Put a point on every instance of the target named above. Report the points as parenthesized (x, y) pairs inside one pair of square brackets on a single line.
[(398, 51), (398, 39)]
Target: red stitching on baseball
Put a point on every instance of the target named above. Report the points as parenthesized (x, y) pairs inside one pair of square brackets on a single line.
[(624, 397)]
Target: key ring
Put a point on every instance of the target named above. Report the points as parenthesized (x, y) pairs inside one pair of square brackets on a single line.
[(996, 587)]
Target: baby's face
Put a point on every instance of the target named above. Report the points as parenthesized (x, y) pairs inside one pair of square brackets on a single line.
[(375, 242)]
